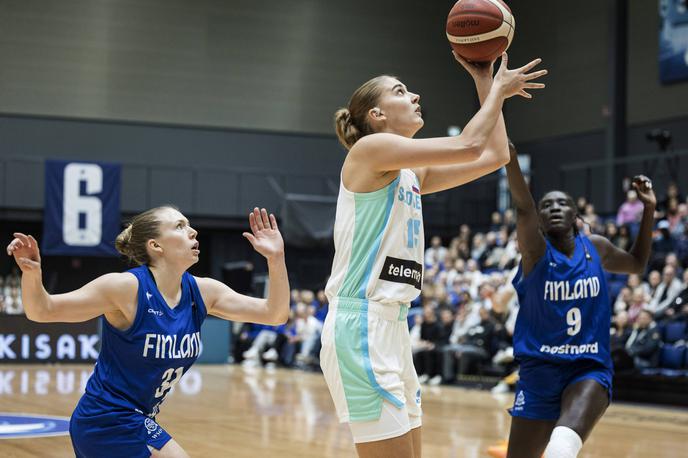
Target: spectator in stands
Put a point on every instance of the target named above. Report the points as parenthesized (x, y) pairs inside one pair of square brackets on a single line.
[(644, 343), (425, 359), (496, 223), (479, 249), (509, 219), (581, 202), (323, 305), (638, 303), (666, 292), (591, 218), (672, 195), (682, 246), (631, 210), (476, 345), (13, 302), (672, 260), (436, 253), (308, 331), (634, 281), (678, 308), (623, 240), (662, 245), (281, 350), (265, 338), (620, 331), (654, 278), (295, 297), (623, 300)]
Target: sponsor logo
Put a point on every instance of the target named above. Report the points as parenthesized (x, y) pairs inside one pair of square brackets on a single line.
[(402, 271), (148, 295), (591, 348), (46, 347), (520, 401), (418, 396), (466, 23), (20, 426), (415, 189), (155, 312), (154, 430)]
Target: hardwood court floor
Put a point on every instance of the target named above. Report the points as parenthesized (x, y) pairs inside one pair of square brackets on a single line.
[(229, 411)]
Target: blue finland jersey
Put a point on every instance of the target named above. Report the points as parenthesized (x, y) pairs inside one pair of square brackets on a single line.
[(136, 368), (564, 312)]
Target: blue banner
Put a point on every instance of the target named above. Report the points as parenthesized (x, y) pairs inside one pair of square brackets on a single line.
[(81, 216), (673, 40)]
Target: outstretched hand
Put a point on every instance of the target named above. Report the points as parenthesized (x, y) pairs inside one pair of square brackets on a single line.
[(264, 236), (518, 81), (25, 250), (643, 186)]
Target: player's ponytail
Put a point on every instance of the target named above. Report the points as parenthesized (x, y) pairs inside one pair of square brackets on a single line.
[(351, 123), (132, 241)]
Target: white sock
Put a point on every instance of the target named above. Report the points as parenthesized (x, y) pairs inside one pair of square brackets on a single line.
[(563, 443)]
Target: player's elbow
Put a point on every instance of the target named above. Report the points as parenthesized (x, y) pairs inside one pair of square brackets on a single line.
[(279, 317), (37, 316)]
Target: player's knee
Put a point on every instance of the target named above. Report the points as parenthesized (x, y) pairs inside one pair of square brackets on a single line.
[(563, 443)]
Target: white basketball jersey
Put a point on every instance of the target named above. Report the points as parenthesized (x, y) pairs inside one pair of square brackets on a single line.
[(379, 243)]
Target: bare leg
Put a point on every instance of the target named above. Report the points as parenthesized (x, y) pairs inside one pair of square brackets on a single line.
[(582, 405), (416, 438), (528, 438), (396, 447), (170, 450)]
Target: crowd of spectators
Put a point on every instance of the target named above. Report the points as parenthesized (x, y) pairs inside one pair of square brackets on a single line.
[(10, 294), (463, 321)]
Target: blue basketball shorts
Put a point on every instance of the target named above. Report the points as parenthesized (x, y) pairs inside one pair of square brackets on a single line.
[(541, 385), (97, 431)]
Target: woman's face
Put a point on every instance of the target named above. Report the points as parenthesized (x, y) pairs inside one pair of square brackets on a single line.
[(177, 242), (397, 111), (557, 213)]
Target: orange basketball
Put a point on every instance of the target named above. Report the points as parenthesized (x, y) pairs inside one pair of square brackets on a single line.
[(480, 30)]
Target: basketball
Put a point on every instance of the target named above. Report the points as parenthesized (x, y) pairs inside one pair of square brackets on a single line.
[(480, 30)]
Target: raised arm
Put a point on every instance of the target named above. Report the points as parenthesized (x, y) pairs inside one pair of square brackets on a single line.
[(108, 293), (531, 242), (222, 301), (384, 152), (634, 260), (496, 153)]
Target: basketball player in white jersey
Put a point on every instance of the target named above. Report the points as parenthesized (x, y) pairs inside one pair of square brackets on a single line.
[(378, 264)]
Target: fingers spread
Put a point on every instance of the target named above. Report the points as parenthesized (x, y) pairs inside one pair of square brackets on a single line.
[(273, 221), (249, 237), (530, 65), (534, 75), (258, 218), (264, 217)]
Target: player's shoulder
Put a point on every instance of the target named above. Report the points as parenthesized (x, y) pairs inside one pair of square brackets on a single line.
[(600, 243), (378, 140), (118, 280)]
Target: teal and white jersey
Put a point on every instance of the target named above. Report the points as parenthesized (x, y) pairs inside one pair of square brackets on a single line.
[(379, 243)]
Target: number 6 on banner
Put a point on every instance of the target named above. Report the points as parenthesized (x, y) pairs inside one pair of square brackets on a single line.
[(90, 232)]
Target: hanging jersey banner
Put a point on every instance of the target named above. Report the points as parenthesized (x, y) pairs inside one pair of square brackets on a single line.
[(81, 216), (673, 41)]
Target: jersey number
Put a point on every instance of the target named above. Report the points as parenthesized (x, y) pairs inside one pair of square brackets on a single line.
[(75, 230), (413, 230), (573, 319), (169, 379)]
